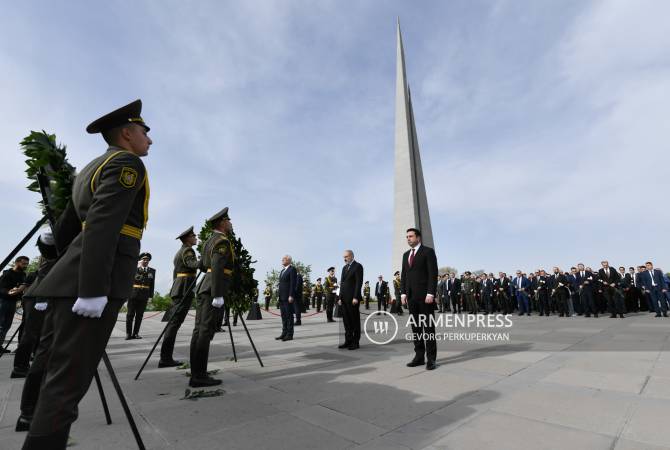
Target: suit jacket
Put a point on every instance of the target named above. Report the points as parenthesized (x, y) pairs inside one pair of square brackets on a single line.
[(525, 284), (380, 291), (288, 284), (351, 282), (645, 279), (420, 279), (587, 281), (106, 217), (487, 286), (614, 277), (454, 286)]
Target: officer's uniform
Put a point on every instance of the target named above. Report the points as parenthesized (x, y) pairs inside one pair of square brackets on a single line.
[(396, 307), (218, 259), (267, 294), (318, 294), (182, 292), (143, 290), (330, 285), (110, 199), (366, 295)]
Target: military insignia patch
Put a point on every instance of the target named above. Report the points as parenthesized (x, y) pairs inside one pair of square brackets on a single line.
[(128, 177)]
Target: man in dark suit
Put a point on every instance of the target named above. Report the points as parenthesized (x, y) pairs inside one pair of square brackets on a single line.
[(288, 285), (454, 292), (654, 285), (585, 281), (351, 283), (418, 288), (521, 285), (381, 288), (609, 280), (487, 293), (297, 304)]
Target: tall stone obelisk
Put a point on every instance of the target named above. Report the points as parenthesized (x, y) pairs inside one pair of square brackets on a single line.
[(410, 202)]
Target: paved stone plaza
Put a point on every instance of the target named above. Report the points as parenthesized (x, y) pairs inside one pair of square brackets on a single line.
[(557, 384)]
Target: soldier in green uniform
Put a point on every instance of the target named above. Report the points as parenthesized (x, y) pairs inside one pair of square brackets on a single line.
[(318, 294), (143, 290), (267, 293), (306, 295), (94, 276), (330, 287), (366, 294), (469, 289), (183, 283), (218, 259)]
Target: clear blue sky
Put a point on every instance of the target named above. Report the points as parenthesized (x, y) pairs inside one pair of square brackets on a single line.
[(543, 125)]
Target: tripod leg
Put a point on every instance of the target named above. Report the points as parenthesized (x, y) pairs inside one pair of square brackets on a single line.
[(251, 340), (20, 327), (23, 242), (102, 398), (152, 351), (232, 342), (122, 399)]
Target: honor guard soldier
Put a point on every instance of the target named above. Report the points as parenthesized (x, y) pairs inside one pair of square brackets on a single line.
[(330, 286), (318, 294), (267, 294), (396, 307), (366, 294), (94, 276), (143, 290), (218, 259), (182, 293)]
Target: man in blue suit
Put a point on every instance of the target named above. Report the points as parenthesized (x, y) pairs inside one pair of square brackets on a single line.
[(654, 285), (288, 282), (521, 286)]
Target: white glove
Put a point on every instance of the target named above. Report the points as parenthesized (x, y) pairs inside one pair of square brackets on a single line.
[(217, 302), (89, 307), (41, 306), (47, 238)]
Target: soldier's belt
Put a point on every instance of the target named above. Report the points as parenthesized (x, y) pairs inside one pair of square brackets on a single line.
[(140, 286), (225, 271), (126, 230), (185, 274)]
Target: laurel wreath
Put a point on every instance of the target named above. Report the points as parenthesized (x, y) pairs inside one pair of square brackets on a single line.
[(244, 288), (46, 156)]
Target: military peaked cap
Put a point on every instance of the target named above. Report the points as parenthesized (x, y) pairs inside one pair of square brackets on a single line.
[(124, 115)]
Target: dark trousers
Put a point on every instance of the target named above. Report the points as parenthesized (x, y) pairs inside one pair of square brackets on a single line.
[(456, 302), (287, 311), (203, 332), (318, 300), (136, 308), (658, 300), (32, 326), (351, 318), (577, 302), (297, 309), (561, 297), (367, 302), (614, 300), (330, 304), (423, 335), (543, 302), (179, 312), (71, 347), (381, 302), (588, 305), (488, 302), (524, 305), (267, 303), (7, 311)]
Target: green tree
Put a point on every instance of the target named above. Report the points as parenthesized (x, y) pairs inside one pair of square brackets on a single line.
[(159, 302), (447, 269)]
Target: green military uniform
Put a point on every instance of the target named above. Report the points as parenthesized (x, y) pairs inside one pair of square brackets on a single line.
[(469, 294), (366, 295), (318, 294), (396, 307), (182, 292), (267, 294), (306, 295), (330, 285), (218, 259), (104, 224), (143, 290)]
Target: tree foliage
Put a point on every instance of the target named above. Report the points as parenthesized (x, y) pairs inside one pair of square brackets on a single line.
[(447, 269), (272, 277)]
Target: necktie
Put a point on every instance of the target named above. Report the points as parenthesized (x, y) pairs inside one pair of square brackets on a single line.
[(582, 274), (281, 273), (411, 258), (651, 274)]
